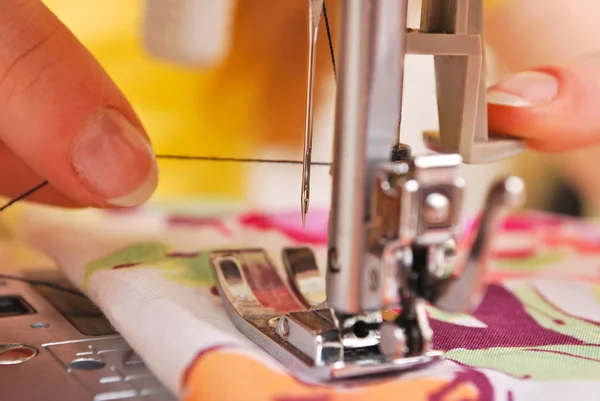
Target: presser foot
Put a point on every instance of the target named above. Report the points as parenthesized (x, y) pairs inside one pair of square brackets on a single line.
[(289, 318)]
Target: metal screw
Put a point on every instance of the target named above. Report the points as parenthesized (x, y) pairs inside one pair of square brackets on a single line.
[(444, 258), (436, 208), (14, 353), (393, 341), (284, 327)]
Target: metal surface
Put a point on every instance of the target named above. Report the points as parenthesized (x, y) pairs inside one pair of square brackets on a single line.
[(369, 100), (61, 351), (15, 353), (464, 293), (266, 309), (315, 9), (305, 277)]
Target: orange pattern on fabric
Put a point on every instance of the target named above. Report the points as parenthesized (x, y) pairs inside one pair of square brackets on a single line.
[(224, 375)]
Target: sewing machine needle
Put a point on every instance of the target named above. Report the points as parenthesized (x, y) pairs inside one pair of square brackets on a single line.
[(315, 9)]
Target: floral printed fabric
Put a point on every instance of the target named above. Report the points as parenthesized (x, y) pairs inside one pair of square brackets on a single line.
[(536, 335)]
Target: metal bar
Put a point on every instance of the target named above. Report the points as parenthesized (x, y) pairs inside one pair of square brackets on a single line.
[(368, 106)]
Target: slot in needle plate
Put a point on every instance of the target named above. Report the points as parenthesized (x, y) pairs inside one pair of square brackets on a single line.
[(257, 299)]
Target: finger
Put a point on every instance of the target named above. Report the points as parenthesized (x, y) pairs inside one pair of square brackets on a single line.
[(17, 178), (554, 108), (64, 117)]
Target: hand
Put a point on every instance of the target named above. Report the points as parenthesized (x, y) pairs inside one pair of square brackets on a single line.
[(63, 120), (554, 103)]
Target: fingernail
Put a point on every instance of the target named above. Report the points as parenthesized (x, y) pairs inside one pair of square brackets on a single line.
[(526, 89), (115, 160)]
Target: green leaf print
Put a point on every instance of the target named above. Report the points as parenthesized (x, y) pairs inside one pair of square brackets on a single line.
[(548, 363), (541, 362), (185, 268), (535, 262), (551, 317), (193, 271)]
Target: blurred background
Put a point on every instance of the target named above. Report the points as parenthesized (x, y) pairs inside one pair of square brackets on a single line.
[(247, 99)]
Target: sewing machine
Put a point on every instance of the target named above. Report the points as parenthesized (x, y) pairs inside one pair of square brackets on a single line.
[(394, 229), (55, 343), (395, 218)]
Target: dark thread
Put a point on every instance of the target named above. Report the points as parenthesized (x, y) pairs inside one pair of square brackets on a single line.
[(329, 40), (237, 160), (40, 283), (24, 195), (177, 157)]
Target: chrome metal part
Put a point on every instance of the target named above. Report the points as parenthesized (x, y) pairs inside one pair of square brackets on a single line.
[(58, 346), (369, 101), (303, 272), (306, 341), (464, 293), (393, 343)]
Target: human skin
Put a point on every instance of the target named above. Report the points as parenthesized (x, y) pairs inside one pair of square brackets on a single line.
[(558, 38)]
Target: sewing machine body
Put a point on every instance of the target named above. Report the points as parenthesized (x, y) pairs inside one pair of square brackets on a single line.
[(57, 345)]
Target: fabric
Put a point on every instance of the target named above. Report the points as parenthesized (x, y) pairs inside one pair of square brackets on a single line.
[(536, 335)]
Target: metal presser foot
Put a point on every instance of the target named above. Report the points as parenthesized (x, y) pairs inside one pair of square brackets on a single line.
[(410, 261)]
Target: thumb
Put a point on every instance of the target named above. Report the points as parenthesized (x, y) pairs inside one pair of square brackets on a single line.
[(555, 108), (64, 118)]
